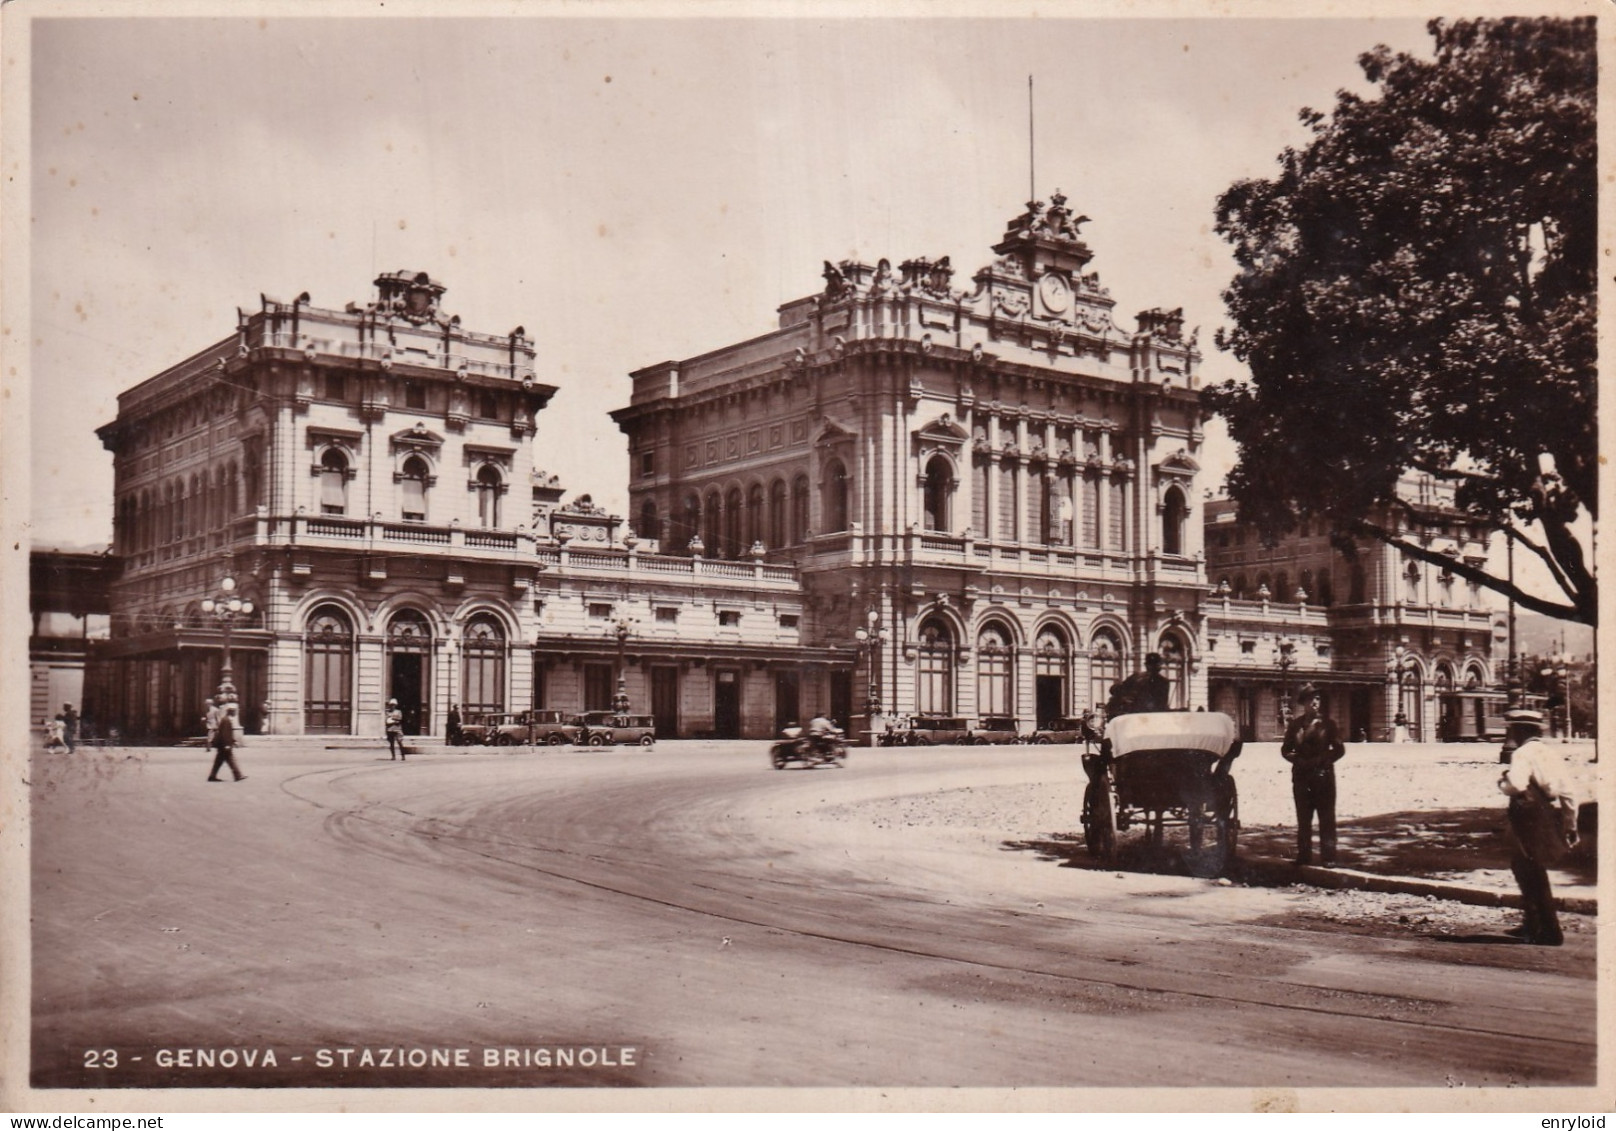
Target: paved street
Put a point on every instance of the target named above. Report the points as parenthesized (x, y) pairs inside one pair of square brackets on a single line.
[(694, 918)]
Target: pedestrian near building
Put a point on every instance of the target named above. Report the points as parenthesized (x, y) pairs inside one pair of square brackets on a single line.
[(1400, 727), (1542, 823), (454, 724), (224, 745), (210, 719), (1313, 746), (70, 726), (54, 741), (395, 732)]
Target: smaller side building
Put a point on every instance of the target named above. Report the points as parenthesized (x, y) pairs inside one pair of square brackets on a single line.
[(68, 608), (1382, 635)]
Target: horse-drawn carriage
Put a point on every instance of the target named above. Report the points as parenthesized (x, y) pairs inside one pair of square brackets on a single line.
[(1164, 768)]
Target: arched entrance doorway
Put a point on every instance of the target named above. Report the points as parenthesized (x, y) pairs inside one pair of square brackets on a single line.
[(328, 672), (409, 668), (1052, 663)]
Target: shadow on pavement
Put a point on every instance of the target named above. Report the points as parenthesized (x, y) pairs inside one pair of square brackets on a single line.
[(1433, 844)]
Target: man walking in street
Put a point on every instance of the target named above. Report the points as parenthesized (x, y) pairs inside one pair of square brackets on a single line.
[(1542, 823), (1313, 746), (224, 743)]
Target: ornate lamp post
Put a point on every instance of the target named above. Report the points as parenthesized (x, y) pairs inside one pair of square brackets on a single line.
[(1284, 661), (622, 628), (1557, 672), (226, 607), (870, 640), (1403, 664)]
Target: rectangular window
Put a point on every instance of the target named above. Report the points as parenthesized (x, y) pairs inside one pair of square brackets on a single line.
[(648, 463), (1091, 512), (979, 499), (597, 687), (336, 386), (1007, 502), (729, 618), (667, 616), (788, 620), (600, 612), (1116, 531), (414, 394)]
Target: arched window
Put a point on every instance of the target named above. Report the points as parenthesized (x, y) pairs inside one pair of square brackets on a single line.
[(231, 486), (482, 667), (939, 493), (649, 527), (180, 501), (1305, 584), (328, 672), (412, 485), (934, 668), (1282, 588), (754, 516), (1052, 661), (1176, 668), (833, 500), (709, 518), (1326, 594), (169, 523), (995, 673), (1173, 512), (489, 488), (333, 483), (733, 526), (778, 514), (799, 510), (1105, 666)]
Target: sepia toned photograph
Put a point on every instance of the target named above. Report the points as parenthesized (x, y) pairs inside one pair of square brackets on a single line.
[(739, 557)]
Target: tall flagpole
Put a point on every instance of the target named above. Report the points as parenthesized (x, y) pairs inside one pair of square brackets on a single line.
[(1032, 177)]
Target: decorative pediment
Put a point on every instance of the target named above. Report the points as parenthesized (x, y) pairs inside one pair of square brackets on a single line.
[(1179, 463), (833, 435), (418, 438), (945, 431), (486, 453), (321, 436)]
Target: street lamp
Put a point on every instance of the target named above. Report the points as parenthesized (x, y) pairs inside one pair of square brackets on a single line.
[(226, 607), (1402, 665), (1559, 672), (621, 628), (870, 640), (1285, 660)]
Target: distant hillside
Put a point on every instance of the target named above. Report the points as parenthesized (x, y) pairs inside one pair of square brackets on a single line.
[(1538, 635)]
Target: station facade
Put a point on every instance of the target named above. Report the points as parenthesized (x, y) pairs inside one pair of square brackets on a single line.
[(907, 498)]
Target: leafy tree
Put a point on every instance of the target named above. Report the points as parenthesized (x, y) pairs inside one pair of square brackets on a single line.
[(1417, 293)]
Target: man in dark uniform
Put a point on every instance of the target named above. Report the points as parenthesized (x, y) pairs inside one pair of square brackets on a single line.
[(1143, 691), (1313, 746)]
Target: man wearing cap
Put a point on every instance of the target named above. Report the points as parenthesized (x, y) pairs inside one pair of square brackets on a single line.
[(1313, 746), (395, 731), (1143, 691), (1542, 822)]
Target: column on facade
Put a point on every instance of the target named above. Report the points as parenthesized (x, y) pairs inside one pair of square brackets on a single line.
[(370, 674)]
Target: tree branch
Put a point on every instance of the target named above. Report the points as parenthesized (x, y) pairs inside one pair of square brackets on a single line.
[(1548, 559), (1577, 611)]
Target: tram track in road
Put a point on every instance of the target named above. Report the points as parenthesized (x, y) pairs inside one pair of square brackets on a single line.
[(622, 859)]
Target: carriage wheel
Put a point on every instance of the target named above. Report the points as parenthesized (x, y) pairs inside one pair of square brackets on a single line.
[(1099, 820), (1197, 822)]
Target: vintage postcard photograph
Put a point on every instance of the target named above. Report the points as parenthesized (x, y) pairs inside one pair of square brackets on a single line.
[(747, 556)]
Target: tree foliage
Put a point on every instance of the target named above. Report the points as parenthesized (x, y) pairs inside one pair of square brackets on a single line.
[(1417, 293)]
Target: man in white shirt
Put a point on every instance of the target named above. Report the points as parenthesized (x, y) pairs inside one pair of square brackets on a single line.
[(1542, 819)]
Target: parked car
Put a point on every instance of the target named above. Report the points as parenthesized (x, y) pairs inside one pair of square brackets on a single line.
[(933, 730), (1066, 730), (478, 730), (996, 732), (538, 728), (607, 728)]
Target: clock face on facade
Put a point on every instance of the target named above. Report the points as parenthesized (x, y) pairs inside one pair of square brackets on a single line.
[(1054, 292)]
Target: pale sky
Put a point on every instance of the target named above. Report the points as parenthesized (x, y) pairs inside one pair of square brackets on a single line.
[(630, 190)]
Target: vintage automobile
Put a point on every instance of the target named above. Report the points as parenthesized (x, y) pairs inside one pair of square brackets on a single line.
[(608, 728), (537, 728), (995, 732), (1066, 730), (934, 730), (479, 730)]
